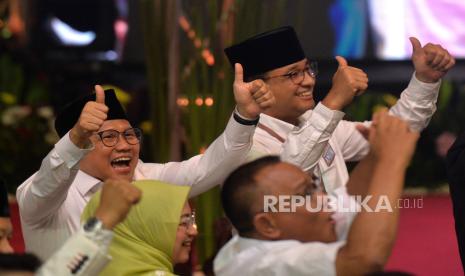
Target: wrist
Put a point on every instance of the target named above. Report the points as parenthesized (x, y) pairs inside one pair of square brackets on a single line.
[(425, 79), (243, 121), (93, 224), (108, 222), (245, 115), (393, 163), (78, 139), (332, 104)]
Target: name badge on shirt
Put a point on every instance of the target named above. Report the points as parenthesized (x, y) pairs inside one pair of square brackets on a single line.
[(329, 155)]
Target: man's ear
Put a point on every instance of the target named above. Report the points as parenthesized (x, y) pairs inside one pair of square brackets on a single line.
[(265, 226)]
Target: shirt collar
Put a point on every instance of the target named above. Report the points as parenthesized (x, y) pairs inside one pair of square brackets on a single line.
[(87, 185), (282, 128)]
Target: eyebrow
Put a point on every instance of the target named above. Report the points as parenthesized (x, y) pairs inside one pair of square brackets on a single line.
[(186, 215), (293, 67)]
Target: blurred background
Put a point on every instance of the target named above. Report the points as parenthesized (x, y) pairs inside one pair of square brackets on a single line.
[(165, 60)]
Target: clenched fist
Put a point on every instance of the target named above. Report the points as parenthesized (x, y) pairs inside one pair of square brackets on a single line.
[(253, 97), (116, 200), (92, 117)]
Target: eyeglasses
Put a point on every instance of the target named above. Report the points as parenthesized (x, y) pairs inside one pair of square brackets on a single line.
[(188, 220), (111, 137), (297, 77)]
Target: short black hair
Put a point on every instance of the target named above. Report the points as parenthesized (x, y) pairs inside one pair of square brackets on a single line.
[(239, 193), (19, 262)]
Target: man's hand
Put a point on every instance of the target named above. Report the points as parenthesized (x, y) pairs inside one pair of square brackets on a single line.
[(431, 61), (391, 140), (252, 98), (116, 200), (92, 117), (348, 82)]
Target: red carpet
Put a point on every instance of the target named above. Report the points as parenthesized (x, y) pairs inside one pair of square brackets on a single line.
[(426, 242)]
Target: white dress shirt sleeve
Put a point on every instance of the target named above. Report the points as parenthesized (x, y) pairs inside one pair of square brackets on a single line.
[(43, 193), (416, 106), (209, 169), (417, 103), (306, 143), (313, 258), (82, 254)]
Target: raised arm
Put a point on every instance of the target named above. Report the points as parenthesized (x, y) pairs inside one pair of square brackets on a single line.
[(417, 102), (230, 149), (44, 192), (372, 234)]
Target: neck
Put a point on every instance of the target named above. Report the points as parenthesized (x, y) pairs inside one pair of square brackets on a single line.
[(291, 120)]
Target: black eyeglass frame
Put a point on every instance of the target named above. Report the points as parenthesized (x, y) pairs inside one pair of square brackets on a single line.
[(137, 132), (311, 69)]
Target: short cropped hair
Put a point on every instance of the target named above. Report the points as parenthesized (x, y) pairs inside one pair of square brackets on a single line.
[(239, 193), (19, 262)]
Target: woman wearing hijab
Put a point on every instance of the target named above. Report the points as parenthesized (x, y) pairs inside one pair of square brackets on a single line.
[(156, 234)]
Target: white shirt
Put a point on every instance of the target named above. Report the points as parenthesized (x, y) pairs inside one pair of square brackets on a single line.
[(243, 256), (51, 201), (324, 139)]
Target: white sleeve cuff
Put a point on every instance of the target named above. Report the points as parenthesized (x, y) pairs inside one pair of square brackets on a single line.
[(418, 90), (69, 152), (326, 119), (238, 132)]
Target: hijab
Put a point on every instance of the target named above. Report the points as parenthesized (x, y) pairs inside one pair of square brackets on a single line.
[(143, 243)]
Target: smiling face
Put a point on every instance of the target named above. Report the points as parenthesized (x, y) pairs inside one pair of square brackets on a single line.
[(187, 231), (302, 225), (292, 100), (118, 162)]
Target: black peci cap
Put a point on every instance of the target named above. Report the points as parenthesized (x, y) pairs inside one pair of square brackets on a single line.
[(266, 51), (69, 115)]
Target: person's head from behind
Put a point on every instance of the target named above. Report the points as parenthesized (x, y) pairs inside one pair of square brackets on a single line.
[(278, 58), (6, 228), (13, 264), (156, 234), (116, 143), (243, 194)]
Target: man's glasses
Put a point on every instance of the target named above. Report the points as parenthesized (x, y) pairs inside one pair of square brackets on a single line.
[(111, 137), (188, 220), (297, 77)]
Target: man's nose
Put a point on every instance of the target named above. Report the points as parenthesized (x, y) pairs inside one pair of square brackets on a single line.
[(122, 143), (308, 79)]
